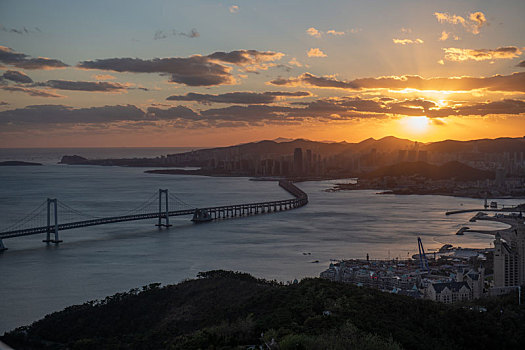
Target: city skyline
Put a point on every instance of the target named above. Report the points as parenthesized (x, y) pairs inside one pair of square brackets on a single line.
[(216, 73)]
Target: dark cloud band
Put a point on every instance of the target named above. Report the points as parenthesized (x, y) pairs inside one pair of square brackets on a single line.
[(513, 82), (20, 60), (238, 97)]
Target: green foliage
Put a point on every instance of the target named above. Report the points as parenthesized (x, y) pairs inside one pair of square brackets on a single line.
[(224, 310)]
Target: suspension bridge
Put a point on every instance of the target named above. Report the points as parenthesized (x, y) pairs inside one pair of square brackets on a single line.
[(45, 218)]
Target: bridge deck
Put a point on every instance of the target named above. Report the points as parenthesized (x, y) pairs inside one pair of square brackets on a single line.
[(216, 212)]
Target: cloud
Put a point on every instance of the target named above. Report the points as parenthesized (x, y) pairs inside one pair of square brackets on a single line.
[(446, 35), (60, 114), (460, 55), (335, 33), (313, 32), (406, 30), (30, 91), (475, 21), (321, 111), (239, 97), (99, 86), (246, 57), (318, 34), (234, 9), (502, 107), (315, 52), (103, 77), (444, 17), (521, 64), (295, 62), (191, 71), (407, 41), (21, 31), (160, 34), (20, 60), (191, 34), (479, 20), (17, 77), (179, 112), (514, 82)]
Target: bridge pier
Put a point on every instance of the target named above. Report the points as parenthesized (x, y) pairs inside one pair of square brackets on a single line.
[(2, 246), (54, 202), (201, 215), (164, 215)]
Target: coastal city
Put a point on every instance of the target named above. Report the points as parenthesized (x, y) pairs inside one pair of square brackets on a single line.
[(449, 274), (262, 175)]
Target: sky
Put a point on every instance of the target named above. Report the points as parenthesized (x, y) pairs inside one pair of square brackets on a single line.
[(207, 73)]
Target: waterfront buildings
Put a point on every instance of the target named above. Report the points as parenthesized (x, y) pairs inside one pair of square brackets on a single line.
[(449, 278)]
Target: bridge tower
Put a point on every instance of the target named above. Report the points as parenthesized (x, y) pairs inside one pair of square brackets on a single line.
[(52, 202), (2, 246), (163, 215)]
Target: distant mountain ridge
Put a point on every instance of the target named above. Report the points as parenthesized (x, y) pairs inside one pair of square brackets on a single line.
[(385, 144)]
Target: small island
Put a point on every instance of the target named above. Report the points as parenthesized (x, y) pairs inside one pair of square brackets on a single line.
[(18, 163)]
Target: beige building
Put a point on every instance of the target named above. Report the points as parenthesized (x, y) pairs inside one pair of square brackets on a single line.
[(475, 280), (448, 292)]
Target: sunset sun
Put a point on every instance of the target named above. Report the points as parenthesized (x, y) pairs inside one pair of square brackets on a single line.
[(416, 125)]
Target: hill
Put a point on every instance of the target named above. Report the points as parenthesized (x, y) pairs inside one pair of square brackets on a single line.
[(457, 170), (225, 310)]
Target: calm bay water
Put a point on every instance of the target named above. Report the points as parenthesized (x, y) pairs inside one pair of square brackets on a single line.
[(94, 262)]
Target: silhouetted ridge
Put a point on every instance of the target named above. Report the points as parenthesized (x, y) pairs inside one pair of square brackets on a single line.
[(224, 309), (457, 170)]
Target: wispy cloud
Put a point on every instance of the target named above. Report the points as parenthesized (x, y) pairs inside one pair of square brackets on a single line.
[(161, 34), (316, 33), (30, 91), (473, 24), (295, 62), (20, 31), (461, 55), (316, 52), (103, 77), (335, 32), (407, 41)]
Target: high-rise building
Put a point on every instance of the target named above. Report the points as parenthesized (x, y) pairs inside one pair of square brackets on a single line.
[(308, 167), (298, 161), (506, 263)]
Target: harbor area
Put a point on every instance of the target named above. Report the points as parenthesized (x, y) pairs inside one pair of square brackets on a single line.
[(448, 275)]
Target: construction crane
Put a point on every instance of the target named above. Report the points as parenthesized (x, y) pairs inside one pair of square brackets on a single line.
[(423, 261)]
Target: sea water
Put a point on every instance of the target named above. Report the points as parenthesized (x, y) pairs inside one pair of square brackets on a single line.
[(94, 262)]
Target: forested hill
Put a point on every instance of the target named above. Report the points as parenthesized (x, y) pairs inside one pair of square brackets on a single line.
[(223, 310)]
